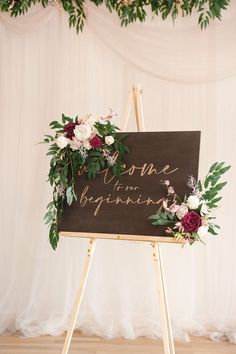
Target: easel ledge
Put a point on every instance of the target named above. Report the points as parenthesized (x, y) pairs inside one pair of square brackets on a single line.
[(137, 238)]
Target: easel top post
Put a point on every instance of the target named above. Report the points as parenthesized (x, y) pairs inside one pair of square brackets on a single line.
[(134, 98)]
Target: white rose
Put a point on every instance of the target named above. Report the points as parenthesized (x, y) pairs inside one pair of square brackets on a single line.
[(182, 211), (202, 231), (61, 141), (75, 144), (204, 209), (83, 131), (86, 144), (109, 140), (193, 202)]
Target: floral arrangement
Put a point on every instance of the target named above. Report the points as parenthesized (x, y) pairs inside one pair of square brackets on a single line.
[(190, 219), (79, 143)]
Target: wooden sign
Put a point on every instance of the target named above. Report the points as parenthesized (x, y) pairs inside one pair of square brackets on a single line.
[(122, 205)]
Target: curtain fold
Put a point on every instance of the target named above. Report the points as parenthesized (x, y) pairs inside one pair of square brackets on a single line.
[(175, 52), (188, 80)]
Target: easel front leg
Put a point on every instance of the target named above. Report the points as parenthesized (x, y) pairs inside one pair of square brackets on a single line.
[(79, 295), (164, 308)]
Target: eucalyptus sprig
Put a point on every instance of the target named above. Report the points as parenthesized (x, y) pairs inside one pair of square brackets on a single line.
[(76, 144)]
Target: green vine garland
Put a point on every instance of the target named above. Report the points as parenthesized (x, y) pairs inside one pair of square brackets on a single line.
[(128, 10)]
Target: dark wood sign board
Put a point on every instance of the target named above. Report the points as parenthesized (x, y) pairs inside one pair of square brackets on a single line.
[(122, 205)]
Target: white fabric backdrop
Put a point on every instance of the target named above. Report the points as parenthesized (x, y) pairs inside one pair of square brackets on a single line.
[(189, 81)]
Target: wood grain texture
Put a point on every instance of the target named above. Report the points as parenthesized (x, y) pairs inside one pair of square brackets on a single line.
[(95, 345)]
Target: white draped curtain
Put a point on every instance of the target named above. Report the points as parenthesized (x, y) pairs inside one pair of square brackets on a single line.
[(188, 78)]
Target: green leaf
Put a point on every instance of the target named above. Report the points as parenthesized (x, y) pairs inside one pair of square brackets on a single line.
[(161, 222), (53, 123), (212, 168), (219, 186), (214, 180), (50, 137), (95, 153), (156, 216), (207, 181), (223, 170), (121, 136), (126, 149), (102, 162), (216, 200), (53, 235), (212, 231), (63, 119), (69, 195), (50, 204), (219, 166), (200, 186)]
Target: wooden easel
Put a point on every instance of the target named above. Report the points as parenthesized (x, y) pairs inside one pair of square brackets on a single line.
[(135, 97)]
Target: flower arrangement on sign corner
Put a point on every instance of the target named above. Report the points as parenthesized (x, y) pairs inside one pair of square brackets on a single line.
[(93, 144), (79, 143), (190, 219)]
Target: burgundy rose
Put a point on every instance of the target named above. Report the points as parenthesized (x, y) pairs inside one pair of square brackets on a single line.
[(69, 129), (96, 142), (191, 221)]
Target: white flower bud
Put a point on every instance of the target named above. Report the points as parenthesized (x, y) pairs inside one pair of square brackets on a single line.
[(61, 141), (109, 140), (202, 231), (204, 209), (193, 202)]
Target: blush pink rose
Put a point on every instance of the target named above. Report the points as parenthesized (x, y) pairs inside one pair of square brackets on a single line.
[(174, 208), (182, 211), (75, 144)]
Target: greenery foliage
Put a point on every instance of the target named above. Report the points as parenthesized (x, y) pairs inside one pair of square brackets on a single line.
[(66, 163), (180, 214), (128, 10)]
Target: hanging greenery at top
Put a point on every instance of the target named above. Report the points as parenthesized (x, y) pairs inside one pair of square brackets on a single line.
[(128, 10)]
